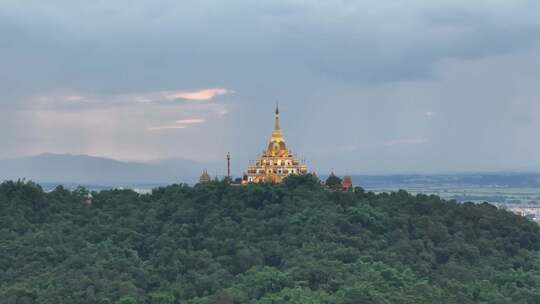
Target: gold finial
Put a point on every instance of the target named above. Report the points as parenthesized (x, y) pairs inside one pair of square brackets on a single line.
[(276, 124)]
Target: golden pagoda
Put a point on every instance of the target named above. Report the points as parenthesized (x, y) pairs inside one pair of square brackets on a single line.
[(276, 162)]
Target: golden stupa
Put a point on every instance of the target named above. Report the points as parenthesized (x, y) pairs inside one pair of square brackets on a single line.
[(276, 162)]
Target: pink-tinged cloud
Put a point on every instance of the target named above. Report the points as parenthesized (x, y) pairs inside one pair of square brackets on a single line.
[(169, 127), (205, 94), (406, 141), (190, 121), (55, 99), (178, 124)]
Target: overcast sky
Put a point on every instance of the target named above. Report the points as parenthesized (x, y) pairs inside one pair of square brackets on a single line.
[(363, 86)]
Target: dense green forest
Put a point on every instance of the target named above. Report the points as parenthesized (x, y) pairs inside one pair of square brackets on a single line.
[(294, 242)]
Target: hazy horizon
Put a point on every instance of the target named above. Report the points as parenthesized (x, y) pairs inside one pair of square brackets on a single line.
[(218, 168), (364, 87)]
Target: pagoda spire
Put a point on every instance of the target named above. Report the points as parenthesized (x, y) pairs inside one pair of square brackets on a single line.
[(276, 123), (277, 135)]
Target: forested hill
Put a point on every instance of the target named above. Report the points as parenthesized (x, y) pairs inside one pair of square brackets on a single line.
[(288, 243)]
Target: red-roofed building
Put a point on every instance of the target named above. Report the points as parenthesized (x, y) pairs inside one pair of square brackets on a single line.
[(346, 184)]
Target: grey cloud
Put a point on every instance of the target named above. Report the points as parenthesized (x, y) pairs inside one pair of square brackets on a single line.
[(367, 71), (142, 44)]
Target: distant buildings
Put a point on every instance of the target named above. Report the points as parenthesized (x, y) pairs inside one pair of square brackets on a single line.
[(531, 212), (276, 162)]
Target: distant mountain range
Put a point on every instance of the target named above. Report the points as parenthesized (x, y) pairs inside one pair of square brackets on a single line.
[(68, 169), (84, 169)]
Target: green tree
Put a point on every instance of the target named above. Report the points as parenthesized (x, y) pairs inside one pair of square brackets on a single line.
[(333, 182), (294, 242)]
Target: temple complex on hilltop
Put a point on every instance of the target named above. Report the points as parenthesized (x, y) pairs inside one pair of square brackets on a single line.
[(276, 162)]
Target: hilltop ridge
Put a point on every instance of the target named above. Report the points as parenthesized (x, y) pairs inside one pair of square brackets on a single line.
[(266, 243)]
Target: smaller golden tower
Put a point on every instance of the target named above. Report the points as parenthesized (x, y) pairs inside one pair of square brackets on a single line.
[(205, 178)]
